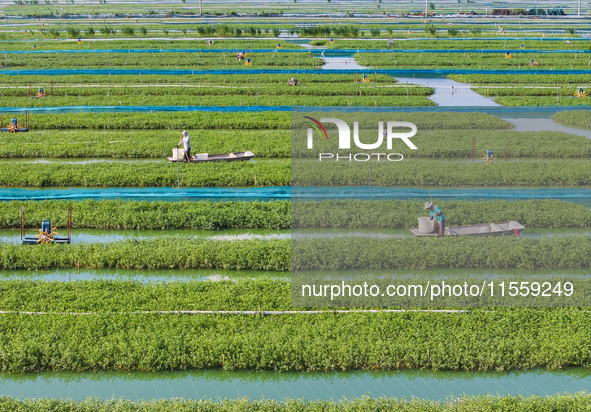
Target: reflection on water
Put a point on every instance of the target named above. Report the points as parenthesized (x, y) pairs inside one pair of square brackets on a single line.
[(107, 236), (541, 125), (216, 275), (427, 384), (157, 275), (449, 92), (341, 63), (114, 235)]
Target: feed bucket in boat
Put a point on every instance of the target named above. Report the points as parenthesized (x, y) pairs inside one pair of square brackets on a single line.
[(426, 225)]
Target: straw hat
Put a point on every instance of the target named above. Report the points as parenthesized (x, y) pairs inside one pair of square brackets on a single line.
[(428, 205)]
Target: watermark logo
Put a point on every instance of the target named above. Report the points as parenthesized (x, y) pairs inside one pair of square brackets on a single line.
[(345, 133), (345, 138)]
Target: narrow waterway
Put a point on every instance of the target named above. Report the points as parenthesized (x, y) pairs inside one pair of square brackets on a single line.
[(542, 125), (216, 275), (341, 63), (426, 384), (114, 235), (446, 92), (450, 92)]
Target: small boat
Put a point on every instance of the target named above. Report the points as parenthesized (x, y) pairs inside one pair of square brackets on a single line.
[(485, 229), (228, 157)]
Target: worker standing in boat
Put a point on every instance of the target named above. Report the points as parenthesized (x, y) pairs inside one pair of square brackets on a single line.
[(436, 213), (186, 141)]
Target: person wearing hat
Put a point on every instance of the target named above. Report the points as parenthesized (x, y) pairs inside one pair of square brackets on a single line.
[(186, 141), (436, 213)]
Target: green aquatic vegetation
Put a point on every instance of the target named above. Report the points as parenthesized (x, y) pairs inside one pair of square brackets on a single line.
[(111, 296), (300, 172), (553, 403), (173, 43), (411, 253), (450, 44), (189, 99), (160, 120), (522, 79), (150, 215), (141, 143), (269, 120), (147, 174), (441, 172), (451, 252), (476, 341), (197, 79), (575, 118), (403, 213), (162, 253), (281, 214), (447, 143), (161, 61), (472, 60), (277, 143), (541, 101)]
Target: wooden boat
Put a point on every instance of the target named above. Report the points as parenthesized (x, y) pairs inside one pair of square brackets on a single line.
[(228, 157), (485, 229)]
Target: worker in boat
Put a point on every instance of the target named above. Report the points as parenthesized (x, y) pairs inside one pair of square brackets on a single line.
[(186, 141), (436, 213)]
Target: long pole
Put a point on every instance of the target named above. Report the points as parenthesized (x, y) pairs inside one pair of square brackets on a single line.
[(426, 8), (407, 93), (200, 7), (579, 8), (178, 179), (369, 169)]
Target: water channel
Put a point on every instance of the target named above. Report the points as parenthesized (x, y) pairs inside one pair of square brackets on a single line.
[(426, 384)]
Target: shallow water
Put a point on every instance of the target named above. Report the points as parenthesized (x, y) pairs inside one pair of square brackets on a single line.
[(541, 125), (113, 235), (426, 384), (449, 92), (159, 275), (216, 275), (341, 63)]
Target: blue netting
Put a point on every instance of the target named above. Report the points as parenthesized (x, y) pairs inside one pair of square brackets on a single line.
[(300, 193), (168, 194), (472, 193)]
